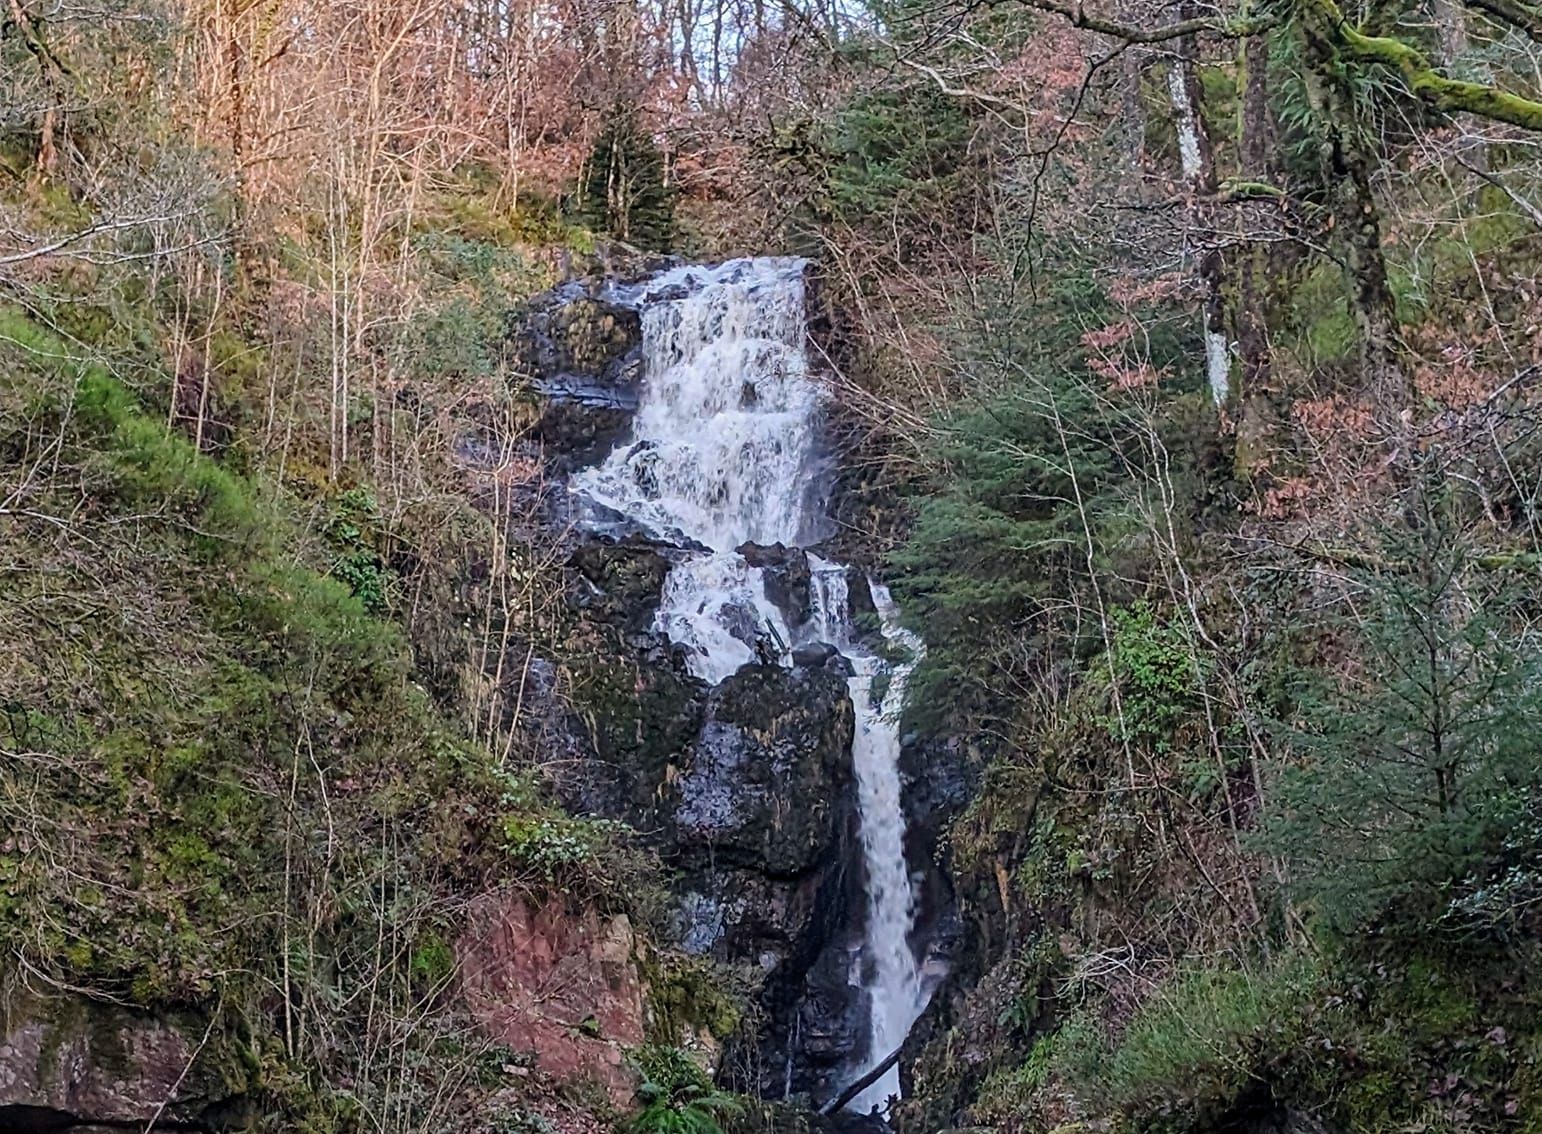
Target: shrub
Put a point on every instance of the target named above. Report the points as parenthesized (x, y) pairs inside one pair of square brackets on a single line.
[(677, 1096)]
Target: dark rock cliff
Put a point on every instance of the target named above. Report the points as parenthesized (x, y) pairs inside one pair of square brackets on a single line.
[(744, 789)]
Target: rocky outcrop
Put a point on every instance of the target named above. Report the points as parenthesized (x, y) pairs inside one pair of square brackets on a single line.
[(66, 1062), (574, 335), (948, 1051), (765, 784), (558, 980), (764, 827), (618, 582), (582, 351), (745, 789), (787, 577), (940, 775)]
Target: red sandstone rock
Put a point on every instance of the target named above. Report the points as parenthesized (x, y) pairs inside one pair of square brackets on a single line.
[(558, 980)]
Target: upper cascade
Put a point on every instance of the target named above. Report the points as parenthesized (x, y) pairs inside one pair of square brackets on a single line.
[(725, 449), (725, 442)]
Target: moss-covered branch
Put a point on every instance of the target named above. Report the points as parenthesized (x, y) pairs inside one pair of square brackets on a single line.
[(1327, 21), (1079, 17), (1236, 189), (1451, 95)]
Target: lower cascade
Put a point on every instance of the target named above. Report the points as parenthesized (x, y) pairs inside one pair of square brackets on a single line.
[(895, 986), (725, 460)]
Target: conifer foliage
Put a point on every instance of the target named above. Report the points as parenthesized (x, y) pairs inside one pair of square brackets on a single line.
[(626, 191)]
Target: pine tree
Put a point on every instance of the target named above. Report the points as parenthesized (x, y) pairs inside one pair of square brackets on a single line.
[(1416, 761), (626, 191)]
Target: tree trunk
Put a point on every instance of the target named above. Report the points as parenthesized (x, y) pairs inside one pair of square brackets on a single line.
[(50, 122), (1346, 170), (1133, 109), (1259, 416), (1198, 165)]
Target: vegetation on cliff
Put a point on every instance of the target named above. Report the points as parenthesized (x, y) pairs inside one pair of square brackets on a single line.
[(1185, 364), (273, 614), (1248, 632)]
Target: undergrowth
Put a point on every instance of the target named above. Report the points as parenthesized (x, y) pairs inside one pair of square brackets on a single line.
[(223, 786)]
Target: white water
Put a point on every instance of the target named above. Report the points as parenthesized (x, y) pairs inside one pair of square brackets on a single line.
[(895, 984), (725, 447), (725, 450)]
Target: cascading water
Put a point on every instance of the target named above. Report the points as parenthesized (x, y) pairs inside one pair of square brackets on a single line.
[(895, 986), (725, 451)]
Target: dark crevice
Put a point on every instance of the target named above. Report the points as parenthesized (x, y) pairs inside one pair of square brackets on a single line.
[(24, 1119)]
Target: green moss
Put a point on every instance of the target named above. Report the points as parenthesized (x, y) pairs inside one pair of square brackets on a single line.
[(1427, 84), (1317, 324), (687, 994), (432, 961)]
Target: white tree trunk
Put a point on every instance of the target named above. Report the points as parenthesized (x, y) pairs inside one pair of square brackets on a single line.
[(1191, 160)]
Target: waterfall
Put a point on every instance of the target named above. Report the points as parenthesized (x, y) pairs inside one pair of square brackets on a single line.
[(726, 451), (895, 987), (725, 448)]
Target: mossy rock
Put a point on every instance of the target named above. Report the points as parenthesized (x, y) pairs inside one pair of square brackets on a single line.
[(102, 1063)]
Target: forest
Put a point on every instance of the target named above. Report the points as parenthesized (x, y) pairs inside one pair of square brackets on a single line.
[(1179, 369)]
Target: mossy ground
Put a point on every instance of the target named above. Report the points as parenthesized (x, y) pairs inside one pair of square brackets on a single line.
[(247, 776)]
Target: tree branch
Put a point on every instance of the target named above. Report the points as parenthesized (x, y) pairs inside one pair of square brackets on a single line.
[(861, 1084), (1079, 17), (1519, 15), (1326, 18), (1430, 87)]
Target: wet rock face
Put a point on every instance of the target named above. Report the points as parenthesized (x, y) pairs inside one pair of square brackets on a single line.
[(764, 821), (66, 1061), (580, 433), (745, 789), (831, 1022), (584, 354), (769, 770), (941, 775), (787, 577)]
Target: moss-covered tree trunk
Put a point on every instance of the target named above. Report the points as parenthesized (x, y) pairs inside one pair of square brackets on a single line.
[(1346, 165), (1259, 415)]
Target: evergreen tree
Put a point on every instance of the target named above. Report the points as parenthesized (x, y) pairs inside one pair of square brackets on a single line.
[(626, 191), (1416, 762), (1027, 521)]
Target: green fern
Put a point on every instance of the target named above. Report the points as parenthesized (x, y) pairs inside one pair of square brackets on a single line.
[(677, 1096)]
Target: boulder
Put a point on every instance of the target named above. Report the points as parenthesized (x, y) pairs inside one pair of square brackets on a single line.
[(68, 1061), (619, 581), (814, 654), (786, 575)]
